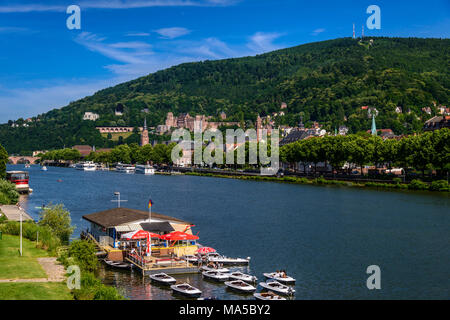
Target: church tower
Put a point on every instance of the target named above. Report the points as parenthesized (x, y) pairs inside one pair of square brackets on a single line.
[(144, 136)]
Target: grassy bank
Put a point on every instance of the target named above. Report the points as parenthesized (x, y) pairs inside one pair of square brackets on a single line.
[(440, 186), (34, 291)]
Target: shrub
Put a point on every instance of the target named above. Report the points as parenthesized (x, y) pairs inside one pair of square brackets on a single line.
[(439, 185), (83, 252), (47, 240), (58, 220), (397, 180), (93, 289), (417, 185), (8, 192)]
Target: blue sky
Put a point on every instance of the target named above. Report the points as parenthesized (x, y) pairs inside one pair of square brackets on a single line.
[(44, 65)]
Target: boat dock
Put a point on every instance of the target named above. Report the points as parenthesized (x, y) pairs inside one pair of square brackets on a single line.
[(13, 213), (151, 265)]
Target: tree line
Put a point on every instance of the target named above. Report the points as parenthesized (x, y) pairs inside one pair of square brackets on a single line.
[(427, 151)]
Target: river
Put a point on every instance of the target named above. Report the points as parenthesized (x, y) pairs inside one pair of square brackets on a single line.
[(325, 237)]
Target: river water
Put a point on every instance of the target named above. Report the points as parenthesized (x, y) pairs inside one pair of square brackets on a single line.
[(325, 237)]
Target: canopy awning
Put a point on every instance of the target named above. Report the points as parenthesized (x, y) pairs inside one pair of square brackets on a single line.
[(178, 235), (157, 226), (128, 227)]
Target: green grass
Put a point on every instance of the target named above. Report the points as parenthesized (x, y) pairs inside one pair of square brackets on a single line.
[(34, 291), (13, 266)]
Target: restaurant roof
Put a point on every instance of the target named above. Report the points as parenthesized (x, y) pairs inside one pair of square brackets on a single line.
[(118, 216)]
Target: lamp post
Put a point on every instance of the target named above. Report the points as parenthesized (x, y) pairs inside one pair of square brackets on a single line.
[(20, 211), (118, 200)]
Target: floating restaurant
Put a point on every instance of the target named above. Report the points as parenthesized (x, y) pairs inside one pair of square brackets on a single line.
[(152, 242)]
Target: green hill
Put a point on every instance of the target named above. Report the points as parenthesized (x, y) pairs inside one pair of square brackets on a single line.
[(326, 81)]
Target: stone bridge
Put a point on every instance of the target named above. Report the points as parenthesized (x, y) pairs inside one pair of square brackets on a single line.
[(22, 159)]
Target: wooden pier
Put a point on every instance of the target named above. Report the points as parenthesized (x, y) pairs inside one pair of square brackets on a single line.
[(168, 266)]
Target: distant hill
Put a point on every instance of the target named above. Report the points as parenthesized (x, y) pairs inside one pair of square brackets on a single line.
[(325, 81)]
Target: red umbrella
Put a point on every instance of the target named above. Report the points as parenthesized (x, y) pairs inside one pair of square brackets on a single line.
[(178, 235), (205, 250), (139, 234)]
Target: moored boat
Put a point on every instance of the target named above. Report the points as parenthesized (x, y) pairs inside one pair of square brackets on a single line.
[(274, 285), (267, 296), (86, 166), (186, 289), (206, 268), (190, 258), (280, 277), (242, 276), (125, 168), (163, 278), (240, 285), (118, 264), (145, 169), (215, 257), (215, 275), (44, 168), (20, 179)]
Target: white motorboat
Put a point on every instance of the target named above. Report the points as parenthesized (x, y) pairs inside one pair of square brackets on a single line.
[(274, 285), (283, 278), (242, 276), (145, 169), (215, 275), (27, 165), (118, 264), (44, 168), (191, 258), (163, 278), (206, 268), (186, 289), (86, 166), (240, 285), (215, 257), (267, 296), (125, 168)]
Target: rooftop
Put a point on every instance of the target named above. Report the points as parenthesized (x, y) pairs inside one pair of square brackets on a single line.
[(117, 216)]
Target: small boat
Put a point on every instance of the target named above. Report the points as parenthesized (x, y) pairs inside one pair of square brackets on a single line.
[(118, 264), (163, 278), (27, 165), (186, 289), (223, 270), (44, 168), (215, 257), (125, 168), (86, 166), (215, 275), (145, 169), (267, 296), (274, 285), (240, 285), (280, 278), (190, 258), (242, 276)]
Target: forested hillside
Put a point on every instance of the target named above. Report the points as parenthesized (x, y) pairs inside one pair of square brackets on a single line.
[(325, 81)]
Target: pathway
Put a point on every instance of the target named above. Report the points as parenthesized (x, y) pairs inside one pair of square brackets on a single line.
[(13, 213), (55, 272)]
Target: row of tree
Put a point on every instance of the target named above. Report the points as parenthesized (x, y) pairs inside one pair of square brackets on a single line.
[(430, 150)]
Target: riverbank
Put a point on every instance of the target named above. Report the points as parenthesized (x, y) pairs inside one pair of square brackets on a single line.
[(439, 186), (32, 276)]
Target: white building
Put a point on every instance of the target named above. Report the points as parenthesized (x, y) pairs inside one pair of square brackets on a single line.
[(90, 116)]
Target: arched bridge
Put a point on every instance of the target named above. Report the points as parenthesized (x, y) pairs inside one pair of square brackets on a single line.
[(22, 159)]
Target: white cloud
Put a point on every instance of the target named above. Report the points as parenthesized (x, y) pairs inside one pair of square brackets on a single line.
[(138, 34), (262, 42), (114, 4), (172, 33), (318, 31)]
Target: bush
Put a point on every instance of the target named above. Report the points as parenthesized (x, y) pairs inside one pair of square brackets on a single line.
[(418, 185), (440, 185), (93, 289), (58, 220), (47, 240), (8, 192), (83, 253)]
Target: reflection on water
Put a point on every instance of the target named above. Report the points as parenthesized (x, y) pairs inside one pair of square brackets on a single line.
[(137, 287)]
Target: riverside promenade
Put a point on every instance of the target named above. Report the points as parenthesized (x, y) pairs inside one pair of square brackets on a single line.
[(12, 213)]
